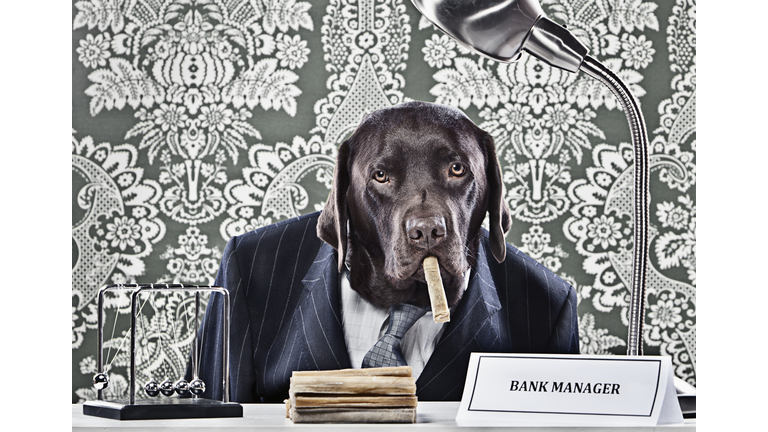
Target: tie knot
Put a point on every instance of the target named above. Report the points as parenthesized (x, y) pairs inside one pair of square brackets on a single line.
[(402, 317), (386, 352)]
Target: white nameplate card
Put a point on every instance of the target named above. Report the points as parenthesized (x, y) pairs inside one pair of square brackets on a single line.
[(568, 389)]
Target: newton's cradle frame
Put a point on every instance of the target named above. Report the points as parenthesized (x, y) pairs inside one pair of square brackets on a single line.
[(164, 407)]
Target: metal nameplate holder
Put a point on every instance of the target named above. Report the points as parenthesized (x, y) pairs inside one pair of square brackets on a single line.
[(165, 407)]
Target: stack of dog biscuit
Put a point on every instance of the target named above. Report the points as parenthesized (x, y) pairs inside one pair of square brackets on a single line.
[(371, 395)]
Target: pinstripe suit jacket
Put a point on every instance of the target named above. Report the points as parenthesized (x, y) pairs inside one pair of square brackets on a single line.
[(285, 315)]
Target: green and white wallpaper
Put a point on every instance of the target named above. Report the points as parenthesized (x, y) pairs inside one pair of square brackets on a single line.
[(197, 120)]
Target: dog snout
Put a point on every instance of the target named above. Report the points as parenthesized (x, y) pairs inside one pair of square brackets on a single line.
[(426, 231)]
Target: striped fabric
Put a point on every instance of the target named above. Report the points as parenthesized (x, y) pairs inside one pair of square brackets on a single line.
[(285, 315)]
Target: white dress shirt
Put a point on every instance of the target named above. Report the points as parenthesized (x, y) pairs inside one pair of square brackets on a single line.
[(364, 323)]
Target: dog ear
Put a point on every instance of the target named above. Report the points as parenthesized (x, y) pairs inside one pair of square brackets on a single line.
[(498, 211), (332, 223)]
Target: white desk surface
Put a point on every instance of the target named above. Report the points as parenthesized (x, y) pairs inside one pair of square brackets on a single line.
[(271, 417)]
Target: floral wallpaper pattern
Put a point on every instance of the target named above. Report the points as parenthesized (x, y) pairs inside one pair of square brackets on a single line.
[(197, 120)]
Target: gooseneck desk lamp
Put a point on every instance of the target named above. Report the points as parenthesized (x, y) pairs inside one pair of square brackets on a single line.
[(501, 30)]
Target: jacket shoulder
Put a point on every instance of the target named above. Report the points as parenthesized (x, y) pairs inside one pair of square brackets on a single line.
[(540, 307), (520, 272), (279, 228), (520, 256), (281, 244)]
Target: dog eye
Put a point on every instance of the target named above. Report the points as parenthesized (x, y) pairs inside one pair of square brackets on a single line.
[(380, 176), (458, 170)]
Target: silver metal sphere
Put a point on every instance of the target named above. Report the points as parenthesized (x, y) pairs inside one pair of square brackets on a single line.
[(166, 388), (152, 388), (100, 381), (182, 387), (197, 387)]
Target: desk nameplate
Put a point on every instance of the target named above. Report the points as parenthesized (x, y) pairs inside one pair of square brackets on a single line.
[(512, 389)]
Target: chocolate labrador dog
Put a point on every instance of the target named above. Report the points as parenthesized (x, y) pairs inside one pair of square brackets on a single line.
[(413, 180)]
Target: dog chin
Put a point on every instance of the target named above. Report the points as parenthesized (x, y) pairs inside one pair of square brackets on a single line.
[(452, 283), (414, 271), (410, 265)]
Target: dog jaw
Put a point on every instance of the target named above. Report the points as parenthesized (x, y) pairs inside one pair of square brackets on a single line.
[(405, 261), (404, 282)]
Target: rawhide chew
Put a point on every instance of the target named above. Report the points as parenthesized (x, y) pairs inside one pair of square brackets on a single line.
[(440, 311)]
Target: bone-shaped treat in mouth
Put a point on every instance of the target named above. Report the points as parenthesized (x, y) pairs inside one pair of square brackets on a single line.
[(440, 311)]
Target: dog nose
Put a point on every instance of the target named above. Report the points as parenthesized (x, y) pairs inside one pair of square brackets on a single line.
[(427, 231)]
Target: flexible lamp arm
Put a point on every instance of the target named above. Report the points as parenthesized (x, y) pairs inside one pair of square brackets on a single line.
[(636, 317), (502, 30)]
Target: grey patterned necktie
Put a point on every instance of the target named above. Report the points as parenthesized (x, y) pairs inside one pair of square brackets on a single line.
[(386, 352)]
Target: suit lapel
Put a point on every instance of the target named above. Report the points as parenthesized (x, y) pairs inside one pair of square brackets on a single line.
[(474, 327), (314, 339), (318, 316)]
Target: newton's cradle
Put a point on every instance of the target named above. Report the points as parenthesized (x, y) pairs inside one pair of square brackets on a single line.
[(180, 399)]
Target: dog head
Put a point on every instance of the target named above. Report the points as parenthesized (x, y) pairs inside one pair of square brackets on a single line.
[(413, 180)]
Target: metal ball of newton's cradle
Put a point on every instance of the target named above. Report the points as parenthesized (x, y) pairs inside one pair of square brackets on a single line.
[(166, 388), (100, 381), (182, 387), (152, 388), (197, 387)]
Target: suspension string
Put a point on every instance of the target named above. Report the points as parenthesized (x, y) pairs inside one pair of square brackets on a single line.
[(199, 343), (144, 330), (186, 314), (112, 336), (127, 333), (175, 339)]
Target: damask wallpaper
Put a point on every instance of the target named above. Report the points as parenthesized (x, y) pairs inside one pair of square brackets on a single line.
[(197, 120)]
